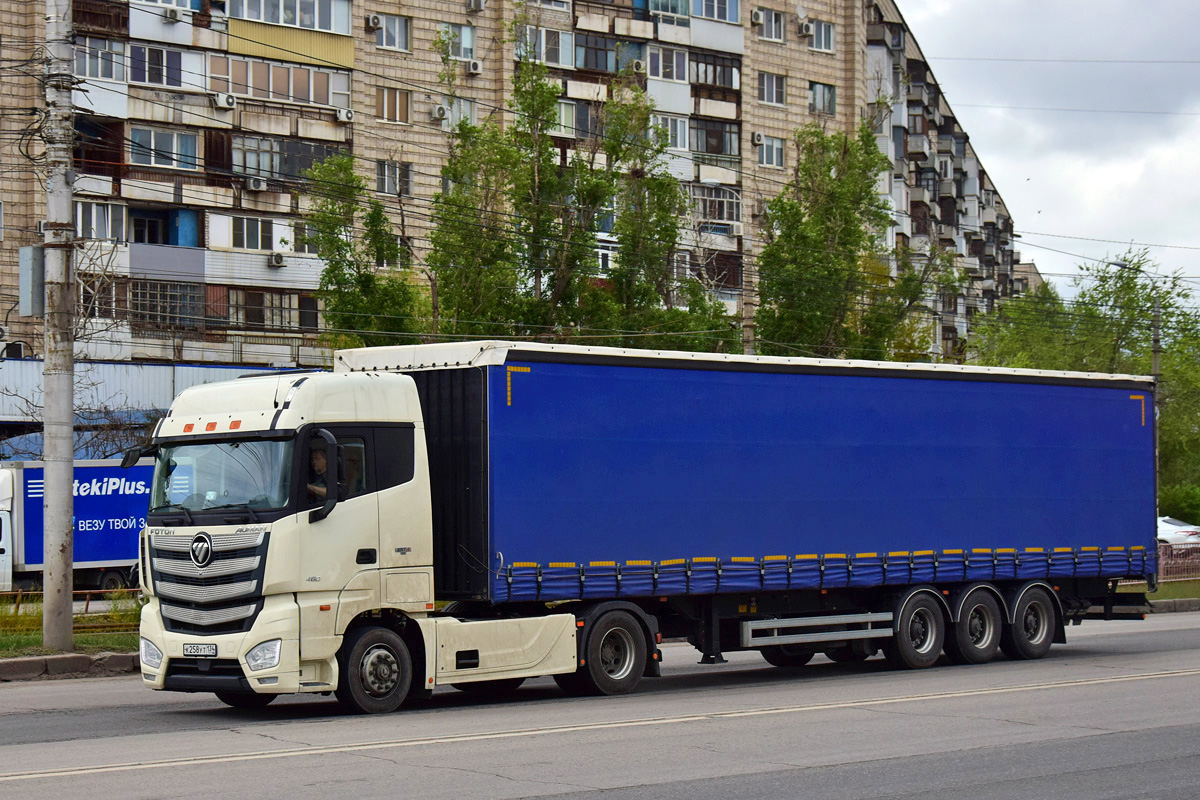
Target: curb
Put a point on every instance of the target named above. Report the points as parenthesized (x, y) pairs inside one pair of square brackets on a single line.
[(1182, 604), (68, 665)]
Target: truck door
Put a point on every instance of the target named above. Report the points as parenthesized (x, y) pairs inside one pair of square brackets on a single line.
[(333, 550)]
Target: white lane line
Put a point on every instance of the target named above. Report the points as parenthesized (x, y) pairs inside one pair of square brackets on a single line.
[(595, 726)]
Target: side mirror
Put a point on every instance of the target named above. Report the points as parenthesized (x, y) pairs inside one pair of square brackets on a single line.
[(132, 457), (331, 477)]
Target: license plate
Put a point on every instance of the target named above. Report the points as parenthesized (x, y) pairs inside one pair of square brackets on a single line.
[(200, 650)]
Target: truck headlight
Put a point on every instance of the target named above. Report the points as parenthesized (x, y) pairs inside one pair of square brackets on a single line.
[(151, 656), (264, 656)]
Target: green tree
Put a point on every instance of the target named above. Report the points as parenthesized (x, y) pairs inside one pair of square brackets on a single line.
[(818, 233), (1108, 328), (365, 283)]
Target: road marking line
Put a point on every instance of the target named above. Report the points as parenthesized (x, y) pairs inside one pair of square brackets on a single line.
[(584, 727)]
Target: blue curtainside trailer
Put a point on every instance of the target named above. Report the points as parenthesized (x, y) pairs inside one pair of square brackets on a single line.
[(789, 505)]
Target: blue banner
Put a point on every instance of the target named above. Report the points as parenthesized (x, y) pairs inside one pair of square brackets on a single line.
[(110, 512)]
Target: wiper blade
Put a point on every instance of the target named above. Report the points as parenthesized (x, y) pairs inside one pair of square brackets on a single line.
[(249, 510), (187, 514)]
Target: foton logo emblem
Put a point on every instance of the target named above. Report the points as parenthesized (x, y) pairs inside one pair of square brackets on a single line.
[(202, 549)]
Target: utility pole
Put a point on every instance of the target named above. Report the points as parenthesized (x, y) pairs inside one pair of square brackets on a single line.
[(1155, 371), (749, 295), (58, 365)]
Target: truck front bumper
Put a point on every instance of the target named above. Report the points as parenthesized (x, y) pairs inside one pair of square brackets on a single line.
[(227, 671)]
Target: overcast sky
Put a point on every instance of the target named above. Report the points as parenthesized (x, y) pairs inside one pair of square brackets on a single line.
[(1115, 176)]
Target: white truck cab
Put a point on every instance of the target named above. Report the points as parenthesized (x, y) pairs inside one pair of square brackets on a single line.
[(289, 548)]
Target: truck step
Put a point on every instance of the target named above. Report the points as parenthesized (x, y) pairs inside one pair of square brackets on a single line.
[(766, 632)]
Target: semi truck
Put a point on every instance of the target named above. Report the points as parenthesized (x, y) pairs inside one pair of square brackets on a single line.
[(475, 514), (110, 512)]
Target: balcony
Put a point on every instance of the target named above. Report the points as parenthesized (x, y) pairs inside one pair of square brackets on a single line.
[(920, 195), (166, 262), (945, 146), (918, 93), (946, 189), (919, 146), (989, 216)]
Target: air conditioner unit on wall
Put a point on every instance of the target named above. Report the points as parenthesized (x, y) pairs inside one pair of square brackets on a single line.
[(374, 22), (807, 29), (345, 115), (736, 229), (439, 112), (639, 66), (256, 184), (757, 138), (172, 15), (476, 5), (275, 260), (223, 101), (474, 67), (757, 17)]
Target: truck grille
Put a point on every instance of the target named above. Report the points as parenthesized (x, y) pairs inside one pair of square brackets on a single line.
[(224, 596)]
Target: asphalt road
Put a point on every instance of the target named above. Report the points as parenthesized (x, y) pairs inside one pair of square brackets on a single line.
[(1113, 714)]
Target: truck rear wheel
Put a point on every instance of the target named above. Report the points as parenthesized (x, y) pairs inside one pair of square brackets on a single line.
[(1032, 631), (614, 658), (786, 655), (375, 671), (920, 632), (246, 700), (975, 638)]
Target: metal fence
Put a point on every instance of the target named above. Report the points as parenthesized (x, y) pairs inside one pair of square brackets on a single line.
[(1178, 562), (94, 611)]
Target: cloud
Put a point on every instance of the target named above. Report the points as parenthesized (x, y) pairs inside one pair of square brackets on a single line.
[(1104, 176)]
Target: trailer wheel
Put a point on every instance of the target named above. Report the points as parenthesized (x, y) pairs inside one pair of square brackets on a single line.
[(1032, 631), (375, 671), (975, 638), (501, 687), (614, 658), (920, 632), (246, 700)]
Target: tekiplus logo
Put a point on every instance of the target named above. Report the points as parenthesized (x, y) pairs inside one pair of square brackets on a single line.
[(97, 487)]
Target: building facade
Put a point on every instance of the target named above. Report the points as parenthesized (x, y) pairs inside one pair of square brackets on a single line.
[(196, 120)]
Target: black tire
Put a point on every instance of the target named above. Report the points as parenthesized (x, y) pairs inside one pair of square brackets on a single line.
[(375, 671), (849, 654), (614, 658), (786, 655), (111, 580), (1032, 631), (502, 687), (920, 633), (975, 638), (246, 700)]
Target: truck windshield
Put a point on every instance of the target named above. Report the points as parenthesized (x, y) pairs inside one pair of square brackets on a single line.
[(195, 477)]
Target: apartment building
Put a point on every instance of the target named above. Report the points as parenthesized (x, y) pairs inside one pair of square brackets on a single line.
[(196, 120)]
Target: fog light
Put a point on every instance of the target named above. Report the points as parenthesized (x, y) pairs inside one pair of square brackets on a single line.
[(151, 656), (264, 656), (271, 681)]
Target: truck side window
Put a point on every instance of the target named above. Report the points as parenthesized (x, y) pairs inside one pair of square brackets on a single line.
[(394, 455), (354, 473), (353, 478)]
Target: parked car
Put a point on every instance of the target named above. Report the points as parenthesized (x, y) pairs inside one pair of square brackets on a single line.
[(1175, 531)]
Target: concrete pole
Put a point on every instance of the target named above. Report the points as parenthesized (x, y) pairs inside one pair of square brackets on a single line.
[(58, 366)]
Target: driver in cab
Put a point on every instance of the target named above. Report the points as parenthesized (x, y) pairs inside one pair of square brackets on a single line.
[(318, 465)]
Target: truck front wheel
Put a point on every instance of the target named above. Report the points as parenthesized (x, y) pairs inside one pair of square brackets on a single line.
[(614, 658), (375, 671)]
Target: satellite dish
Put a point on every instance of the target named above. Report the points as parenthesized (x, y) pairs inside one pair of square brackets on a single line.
[(800, 14)]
